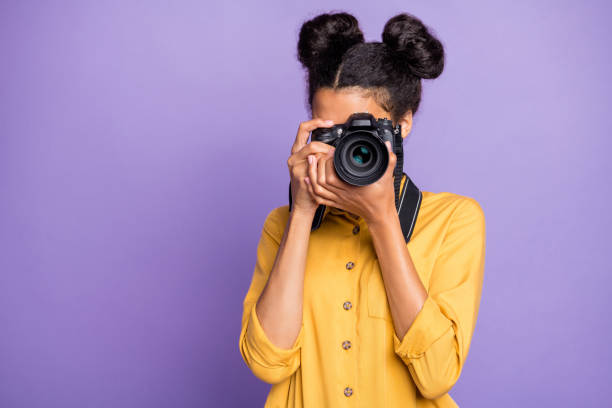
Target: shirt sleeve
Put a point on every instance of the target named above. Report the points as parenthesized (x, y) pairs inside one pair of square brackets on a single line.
[(436, 344), (267, 361)]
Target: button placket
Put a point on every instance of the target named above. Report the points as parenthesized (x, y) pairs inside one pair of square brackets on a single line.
[(347, 305)]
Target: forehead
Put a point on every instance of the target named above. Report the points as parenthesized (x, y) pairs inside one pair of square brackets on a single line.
[(338, 105)]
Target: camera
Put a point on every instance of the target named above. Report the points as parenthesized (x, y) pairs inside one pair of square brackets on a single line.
[(361, 157)]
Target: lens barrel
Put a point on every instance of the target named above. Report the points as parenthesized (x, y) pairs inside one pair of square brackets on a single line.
[(360, 158)]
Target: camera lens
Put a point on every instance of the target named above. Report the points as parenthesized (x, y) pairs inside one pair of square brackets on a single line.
[(361, 155), (361, 158)]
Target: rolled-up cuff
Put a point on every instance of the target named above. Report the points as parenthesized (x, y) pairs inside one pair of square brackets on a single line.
[(263, 350), (428, 326)]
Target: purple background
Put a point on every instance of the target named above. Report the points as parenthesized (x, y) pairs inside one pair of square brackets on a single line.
[(142, 144)]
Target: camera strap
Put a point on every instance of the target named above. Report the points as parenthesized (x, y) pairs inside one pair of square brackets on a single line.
[(408, 207), (408, 203)]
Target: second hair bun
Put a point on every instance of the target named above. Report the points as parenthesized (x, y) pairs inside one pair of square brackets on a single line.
[(414, 47)]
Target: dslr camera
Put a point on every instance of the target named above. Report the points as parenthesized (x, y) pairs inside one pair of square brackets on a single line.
[(361, 156)]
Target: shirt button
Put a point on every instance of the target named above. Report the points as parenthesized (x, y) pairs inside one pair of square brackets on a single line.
[(348, 391), (347, 305), (350, 265), (356, 230), (346, 344)]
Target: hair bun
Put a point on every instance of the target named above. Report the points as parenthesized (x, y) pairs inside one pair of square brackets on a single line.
[(324, 39), (415, 48)]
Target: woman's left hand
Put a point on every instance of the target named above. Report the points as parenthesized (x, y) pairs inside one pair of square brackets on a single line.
[(374, 202)]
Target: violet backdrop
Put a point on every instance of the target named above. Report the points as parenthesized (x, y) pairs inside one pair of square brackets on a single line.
[(142, 144)]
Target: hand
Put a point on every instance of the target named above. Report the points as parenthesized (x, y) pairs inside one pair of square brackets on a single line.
[(374, 202), (297, 162)]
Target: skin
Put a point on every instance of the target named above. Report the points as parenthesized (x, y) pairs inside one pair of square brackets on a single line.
[(314, 182)]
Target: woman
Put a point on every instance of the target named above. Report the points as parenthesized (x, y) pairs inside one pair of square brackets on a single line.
[(349, 314)]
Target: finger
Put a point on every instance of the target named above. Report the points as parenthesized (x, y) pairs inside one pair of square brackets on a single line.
[(333, 182), (392, 158), (323, 192), (321, 170), (320, 200), (312, 172), (310, 148), (312, 194), (304, 131), (322, 188)]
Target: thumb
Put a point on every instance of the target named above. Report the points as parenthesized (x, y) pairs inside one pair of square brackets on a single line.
[(392, 157)]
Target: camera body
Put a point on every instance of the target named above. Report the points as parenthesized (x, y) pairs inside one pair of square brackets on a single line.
[(361, 156)]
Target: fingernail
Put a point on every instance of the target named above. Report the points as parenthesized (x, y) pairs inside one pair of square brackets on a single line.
[(310, 159), (329, 122), (307, 180)]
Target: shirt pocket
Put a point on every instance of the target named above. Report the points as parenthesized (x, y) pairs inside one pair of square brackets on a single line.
[(378, 306)]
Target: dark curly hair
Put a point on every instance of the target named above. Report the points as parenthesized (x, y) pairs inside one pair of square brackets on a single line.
[(331, 47)]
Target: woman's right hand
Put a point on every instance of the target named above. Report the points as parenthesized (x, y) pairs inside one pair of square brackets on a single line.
[(302, 200)]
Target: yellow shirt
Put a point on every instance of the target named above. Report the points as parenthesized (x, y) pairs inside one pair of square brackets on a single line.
[(343, 305)]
